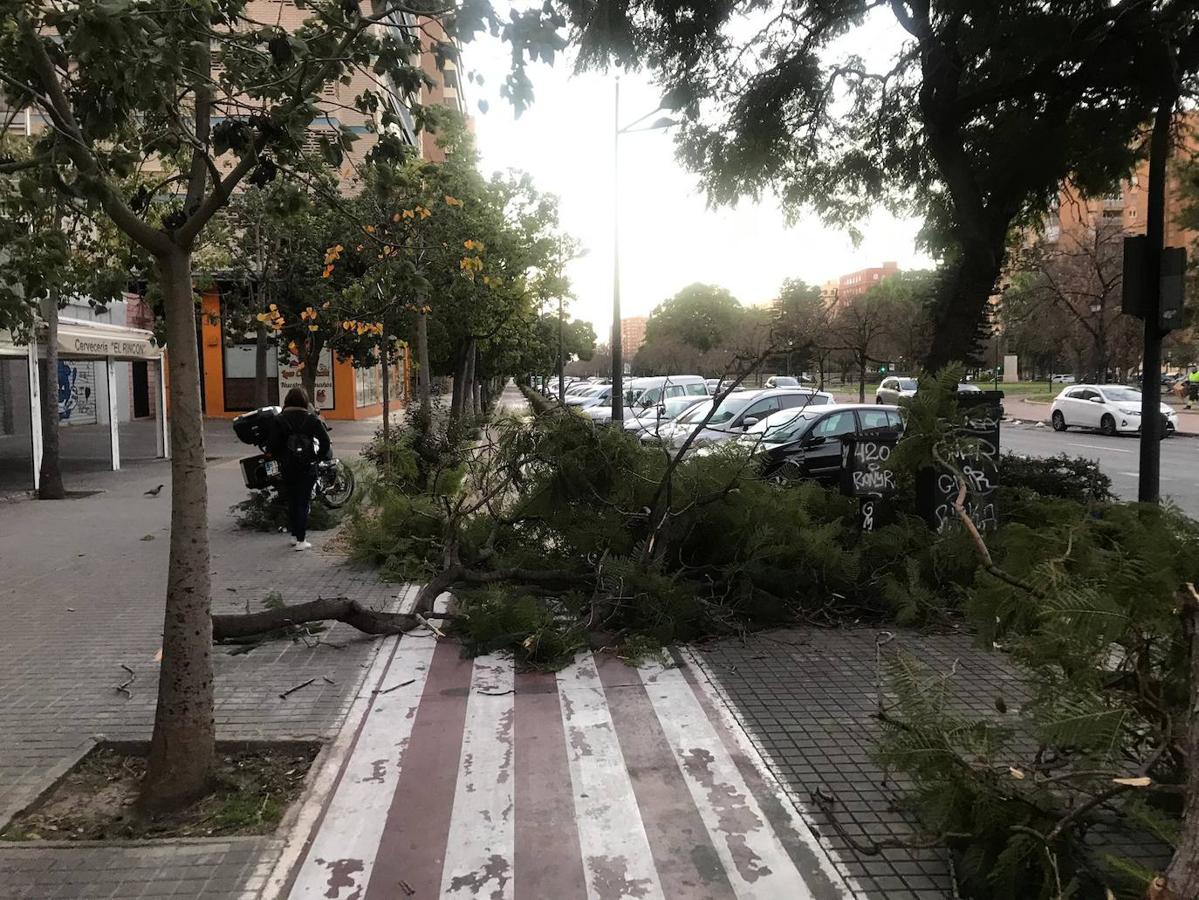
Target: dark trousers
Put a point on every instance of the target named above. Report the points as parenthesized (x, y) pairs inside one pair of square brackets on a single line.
[(298, 487)]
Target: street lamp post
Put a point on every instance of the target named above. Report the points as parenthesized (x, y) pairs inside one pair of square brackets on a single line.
[(616, 341)]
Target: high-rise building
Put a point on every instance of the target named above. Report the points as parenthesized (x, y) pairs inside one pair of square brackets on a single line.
[(632, 334)]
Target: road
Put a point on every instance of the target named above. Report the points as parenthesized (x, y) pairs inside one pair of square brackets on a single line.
[(1118, 457)]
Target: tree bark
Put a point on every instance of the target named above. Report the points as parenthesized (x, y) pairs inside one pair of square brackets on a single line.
[(261, 395), (386, 398), (182, 746), (50, 486), (422, 361), (338, 609), (959, 304), (1183, 873), (862, 380)]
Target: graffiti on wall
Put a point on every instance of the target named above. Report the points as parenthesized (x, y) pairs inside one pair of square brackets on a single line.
[(76, 393)]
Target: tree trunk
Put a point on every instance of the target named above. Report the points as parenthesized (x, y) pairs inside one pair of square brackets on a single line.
[(1183, 873), (862, 380), (386, 396), (478, 399), (50, 486), (959, 307), (182, 746), (459, 380), (339, 609), (261, 395), (468, 381), (422, 361)]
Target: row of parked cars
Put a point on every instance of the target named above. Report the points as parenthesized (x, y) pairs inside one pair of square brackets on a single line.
[(787, 428)]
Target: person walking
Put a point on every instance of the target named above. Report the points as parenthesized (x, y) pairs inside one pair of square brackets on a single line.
[(299, 439), (1192, 387)]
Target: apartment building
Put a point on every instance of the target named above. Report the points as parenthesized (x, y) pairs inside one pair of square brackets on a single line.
[(857, 283), (632, 334)]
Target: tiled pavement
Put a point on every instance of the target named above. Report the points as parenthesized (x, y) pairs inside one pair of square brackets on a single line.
[(82, 595)]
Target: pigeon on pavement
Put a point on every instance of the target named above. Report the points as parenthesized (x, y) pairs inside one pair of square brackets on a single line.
[(154, 492)]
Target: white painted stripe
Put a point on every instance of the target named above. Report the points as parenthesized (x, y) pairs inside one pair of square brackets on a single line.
[(306, 817), (830, 863), (1106, 447), (617, 861), (755, 860), (481, 844), (343, 852)]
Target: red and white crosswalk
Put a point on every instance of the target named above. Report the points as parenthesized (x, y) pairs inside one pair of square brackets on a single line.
[(463, 778)]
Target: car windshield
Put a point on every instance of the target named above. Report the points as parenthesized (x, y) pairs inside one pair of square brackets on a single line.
[(731, 406), (1122, 394), (907, 384), (782, 426), (676, 406)]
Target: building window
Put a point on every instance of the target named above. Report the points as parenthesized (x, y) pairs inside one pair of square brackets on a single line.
[(450, 78)]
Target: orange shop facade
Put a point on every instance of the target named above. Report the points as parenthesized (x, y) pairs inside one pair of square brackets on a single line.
[(227, 367)]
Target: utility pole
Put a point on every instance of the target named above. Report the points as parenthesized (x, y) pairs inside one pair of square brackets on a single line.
[(1149, 484), (617, 354), (561, 359)]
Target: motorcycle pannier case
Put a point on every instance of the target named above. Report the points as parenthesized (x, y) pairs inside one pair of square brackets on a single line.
[(253, 472), (251, 427)]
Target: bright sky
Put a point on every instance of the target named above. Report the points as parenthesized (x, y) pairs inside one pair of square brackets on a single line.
[(669, 237)]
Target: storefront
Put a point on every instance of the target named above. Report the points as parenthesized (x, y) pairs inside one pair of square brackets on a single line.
[(109, 375), (229, 363)]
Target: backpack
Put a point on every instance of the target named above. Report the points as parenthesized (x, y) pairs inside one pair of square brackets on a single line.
[(300, 448)]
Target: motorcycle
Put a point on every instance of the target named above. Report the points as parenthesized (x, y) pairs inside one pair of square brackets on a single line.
[(334, 479)]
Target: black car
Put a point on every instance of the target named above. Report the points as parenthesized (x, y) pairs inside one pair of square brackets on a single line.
[(807, 443)]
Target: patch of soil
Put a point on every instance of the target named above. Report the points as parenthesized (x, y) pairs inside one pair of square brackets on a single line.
[(251, 790)]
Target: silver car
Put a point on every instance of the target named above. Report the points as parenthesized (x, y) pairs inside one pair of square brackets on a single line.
[(736, 414)]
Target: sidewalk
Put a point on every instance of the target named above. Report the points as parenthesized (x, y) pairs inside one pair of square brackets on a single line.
[(83, 594)]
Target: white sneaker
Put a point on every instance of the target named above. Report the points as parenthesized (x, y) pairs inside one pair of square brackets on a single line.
[(303, 545)]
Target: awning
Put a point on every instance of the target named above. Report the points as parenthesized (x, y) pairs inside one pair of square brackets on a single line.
[(80, 338), (8, 347)]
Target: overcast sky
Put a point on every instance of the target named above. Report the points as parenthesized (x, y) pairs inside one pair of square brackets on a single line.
[(669, 238)]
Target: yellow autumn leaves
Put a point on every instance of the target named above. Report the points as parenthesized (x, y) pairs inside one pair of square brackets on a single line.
[(272, 318), (363, 328)]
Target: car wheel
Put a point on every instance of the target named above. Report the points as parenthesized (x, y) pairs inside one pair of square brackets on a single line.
[(1059, 421), (1107, 425)]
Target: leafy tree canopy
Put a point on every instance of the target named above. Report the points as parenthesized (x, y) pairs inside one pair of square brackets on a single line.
[(700, 316)]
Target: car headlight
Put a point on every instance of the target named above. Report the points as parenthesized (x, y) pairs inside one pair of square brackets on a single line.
[(1130, 412)]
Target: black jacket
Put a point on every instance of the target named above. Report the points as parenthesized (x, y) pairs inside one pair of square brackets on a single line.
[(294, 420)]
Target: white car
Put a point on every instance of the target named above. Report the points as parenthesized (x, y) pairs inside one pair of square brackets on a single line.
[(644, 394), (892, 389), (1111, 408), (1062, 379), (735, 415), (650, 421)]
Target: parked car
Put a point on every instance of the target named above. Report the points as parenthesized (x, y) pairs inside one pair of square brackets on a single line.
[(1111, 408), (893, 388), (593, 395), (806, 443), (735, 414), (649, 421), (642, 394), (776, 381), (1061, 379)]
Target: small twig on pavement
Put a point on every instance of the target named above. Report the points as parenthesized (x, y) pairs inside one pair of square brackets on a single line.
[(300, 686), (394, 687), (437, 631), (327, 679), (124, 687), (496, 693)]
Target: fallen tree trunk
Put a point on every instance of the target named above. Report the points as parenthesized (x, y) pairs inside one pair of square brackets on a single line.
[(340, 609)]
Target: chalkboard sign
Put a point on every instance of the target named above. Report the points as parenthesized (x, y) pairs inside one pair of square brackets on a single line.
[(937, 490), (866, 475)]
